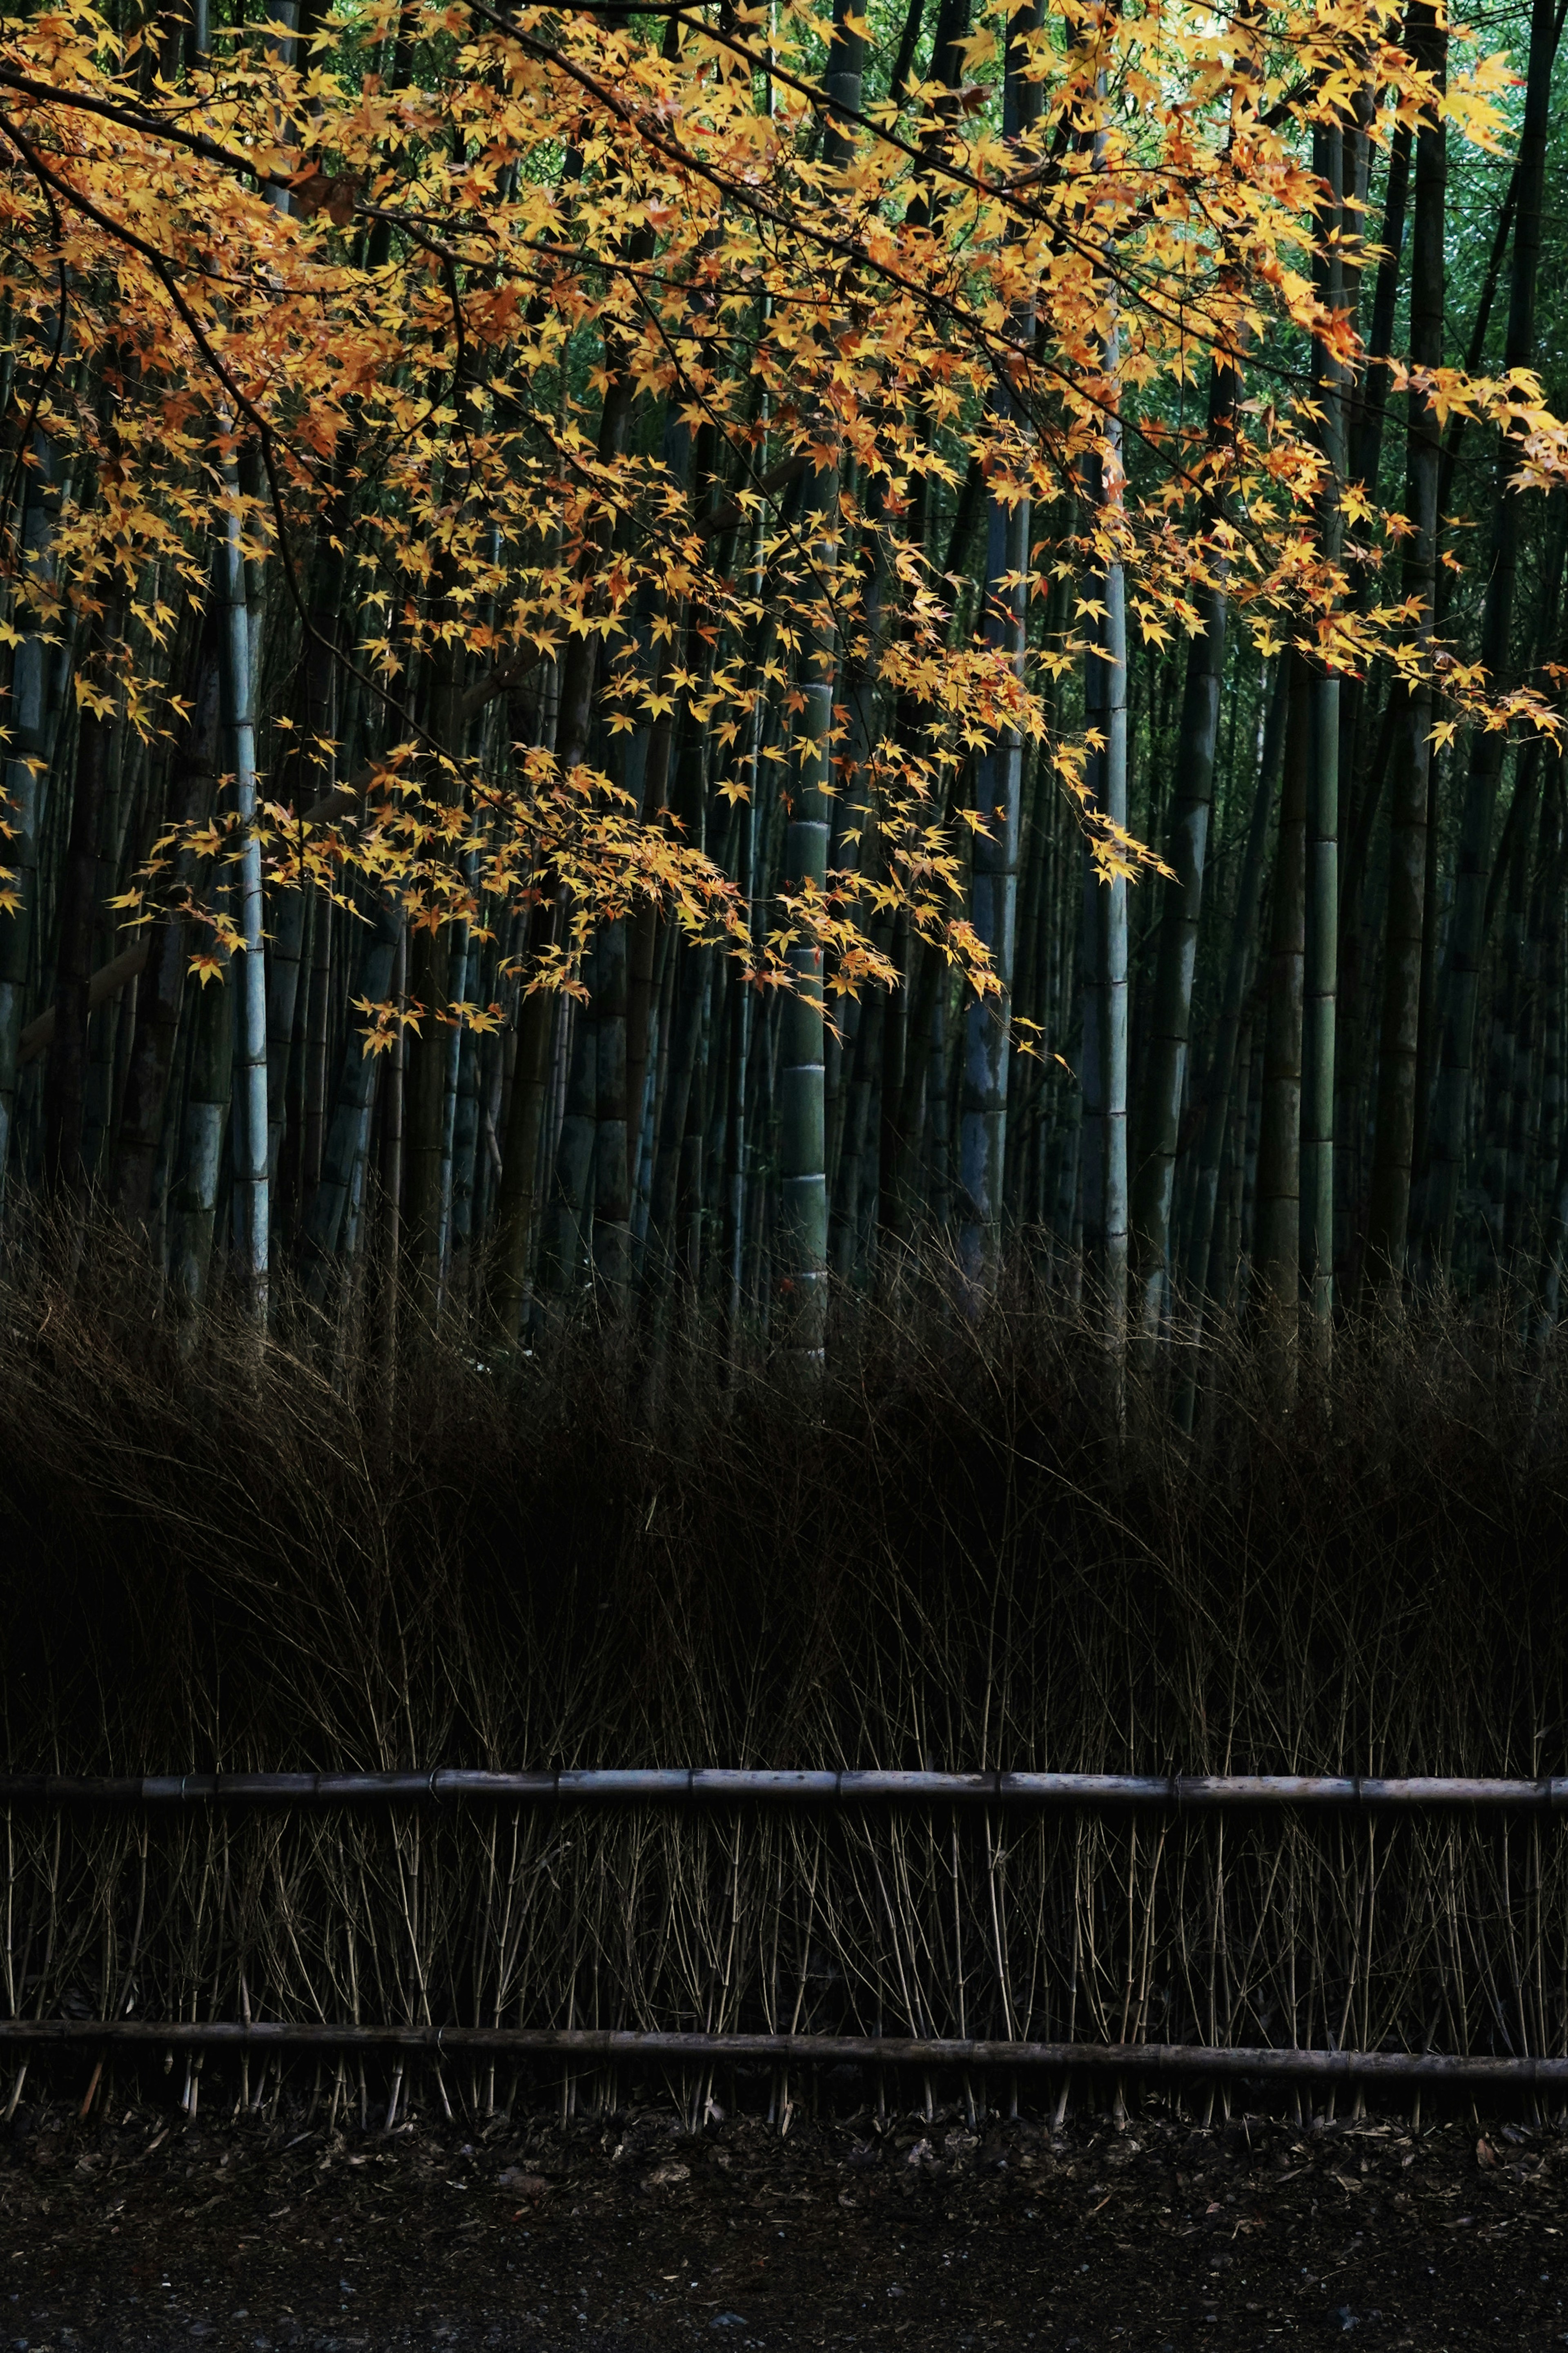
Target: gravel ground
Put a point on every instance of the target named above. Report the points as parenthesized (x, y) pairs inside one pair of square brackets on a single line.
[(149, 2233)]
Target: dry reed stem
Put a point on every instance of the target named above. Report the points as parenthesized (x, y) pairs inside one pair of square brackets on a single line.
[(945, 1557)]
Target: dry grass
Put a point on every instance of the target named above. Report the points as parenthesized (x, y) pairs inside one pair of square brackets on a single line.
[(951, 1553)]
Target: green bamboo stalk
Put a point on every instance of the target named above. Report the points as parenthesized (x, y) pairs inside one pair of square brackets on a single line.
[(569, 1257), (424, 1100), (851, 1190), (1551, 1208), (742, 1121), (1451, 1109), (1025, 1072), (1104, 1049), (1277, 1216), (1320, 976), (204, 1127), (802, 1239), (161, 991), (993, 898), (1240, 969), (1526, 1128), (250, 1143), (1404, 921), (461, 969), (1222, 1278), (348, 1137), (464, 1161), (702, 1156), (1186, 845), (129, 767), (1552, 1108), (519, 1159), (388, 1145), (1371, 397), (1507, 1012), (64, 1087), (26, 755), (285, 1005), (612, 1174), (318, 1029), (993, 884)]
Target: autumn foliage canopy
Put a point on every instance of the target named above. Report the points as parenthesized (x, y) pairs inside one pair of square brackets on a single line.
[(552, 328)]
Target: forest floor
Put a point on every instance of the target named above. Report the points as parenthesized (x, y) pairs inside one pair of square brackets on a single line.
[(543, 2234)]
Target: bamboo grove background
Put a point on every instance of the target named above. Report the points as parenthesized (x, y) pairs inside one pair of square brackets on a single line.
[(1328, 1045)]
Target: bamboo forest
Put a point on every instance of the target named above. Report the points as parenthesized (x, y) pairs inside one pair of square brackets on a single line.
[(783, 1174), (720, 650)]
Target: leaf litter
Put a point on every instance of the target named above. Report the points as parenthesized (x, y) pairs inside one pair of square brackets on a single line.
[(632, 2233)]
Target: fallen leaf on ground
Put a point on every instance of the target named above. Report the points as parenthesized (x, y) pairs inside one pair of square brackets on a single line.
[(532, 2186)]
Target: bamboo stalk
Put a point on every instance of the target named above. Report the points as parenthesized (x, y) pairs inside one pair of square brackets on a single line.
[(1087, 1792), (1169, 2062)]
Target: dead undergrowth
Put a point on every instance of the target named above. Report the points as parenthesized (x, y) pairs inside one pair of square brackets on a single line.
[(960, 1548)]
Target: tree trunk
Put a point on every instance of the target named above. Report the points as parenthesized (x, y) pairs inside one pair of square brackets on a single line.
[(1186, 846), (569, 1260), (64, 1088), (519, 1159), (801, 1253), (993, 898), (26, 762), (1450, 1114), (1104, 1051), (249, 1147), (348, 1137), (1277, 1217), (209, 1091), (160, 993), (1239, 967), (1321, 964), (612, 1174), (1403, 927)]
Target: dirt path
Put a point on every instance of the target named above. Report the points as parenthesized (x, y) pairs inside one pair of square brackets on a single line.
[(1159, 2238)]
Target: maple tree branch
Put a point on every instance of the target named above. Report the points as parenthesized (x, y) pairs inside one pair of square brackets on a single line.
[(159, 263), (460, 361), (1002, 350), (1284, 106), (428, 244), (931, 160), (725, 517), (55, 357), (928, 158), (152, 126), (849, 250), (263, 430), (777, 478), (732, 514), (923, 156)]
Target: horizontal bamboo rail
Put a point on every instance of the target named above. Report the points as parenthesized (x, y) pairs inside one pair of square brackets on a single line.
[(1167, 2061), (719, 1785), (105, 982)]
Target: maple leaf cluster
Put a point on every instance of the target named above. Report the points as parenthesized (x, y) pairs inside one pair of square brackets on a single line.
[(407, 277)]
